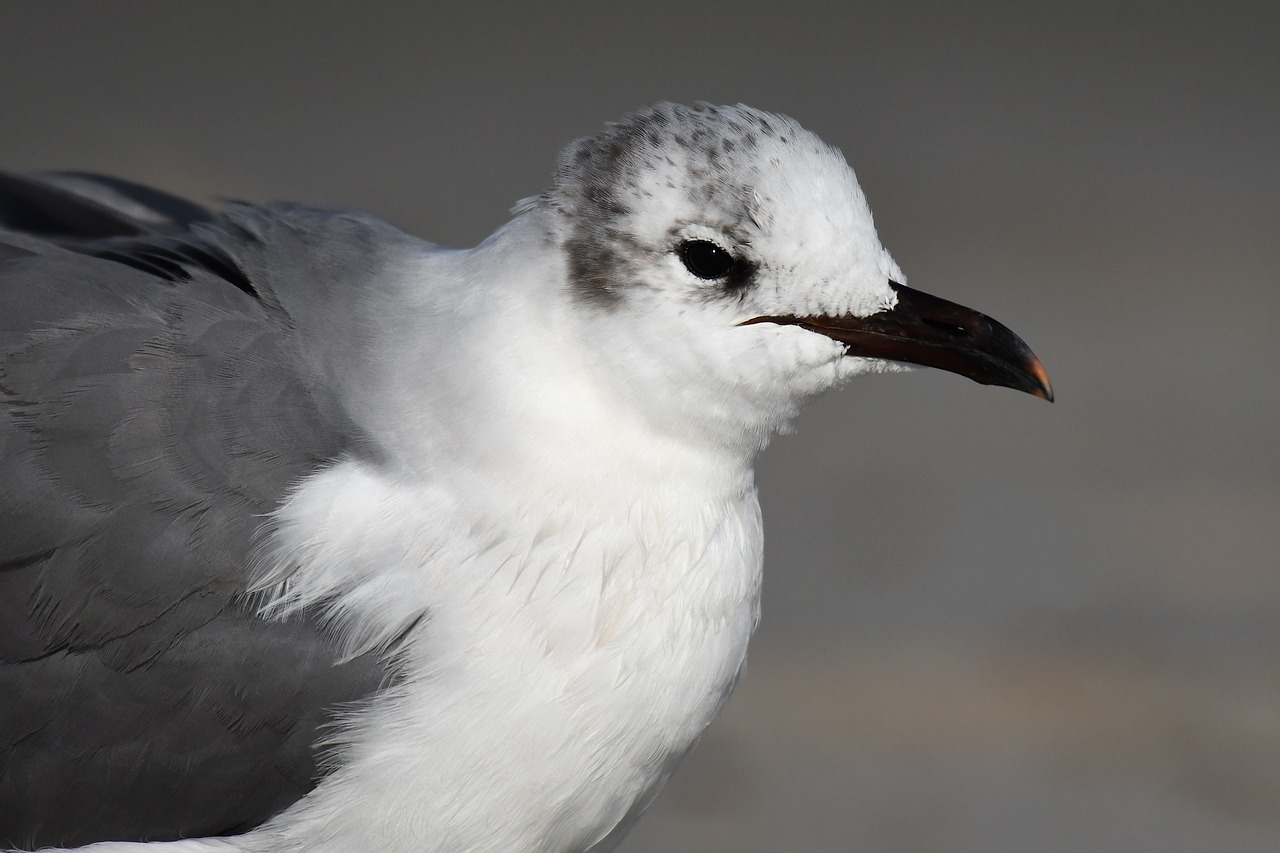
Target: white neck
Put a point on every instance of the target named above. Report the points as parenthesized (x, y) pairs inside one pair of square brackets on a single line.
[(582, 585)]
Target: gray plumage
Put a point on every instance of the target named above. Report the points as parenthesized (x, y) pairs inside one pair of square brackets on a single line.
[(155, 406)]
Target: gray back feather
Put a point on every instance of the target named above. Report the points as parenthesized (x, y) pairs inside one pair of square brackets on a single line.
[(156, 404)]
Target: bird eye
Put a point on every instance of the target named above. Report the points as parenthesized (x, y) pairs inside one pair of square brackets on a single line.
[(705, 259)]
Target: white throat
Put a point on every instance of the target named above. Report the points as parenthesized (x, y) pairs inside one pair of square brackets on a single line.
[(579, 600)]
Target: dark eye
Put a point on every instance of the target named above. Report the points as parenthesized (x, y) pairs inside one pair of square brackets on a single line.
[(705, 259)]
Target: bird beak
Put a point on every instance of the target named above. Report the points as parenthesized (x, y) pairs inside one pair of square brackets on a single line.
[(923, 329)]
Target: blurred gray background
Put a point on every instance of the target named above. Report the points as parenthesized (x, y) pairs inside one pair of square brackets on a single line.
[(990, 624)]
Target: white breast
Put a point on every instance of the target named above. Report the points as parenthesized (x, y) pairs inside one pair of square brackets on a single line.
[(569, 654)]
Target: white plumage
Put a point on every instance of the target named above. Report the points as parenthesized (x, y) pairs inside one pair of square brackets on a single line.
[(555, 533)]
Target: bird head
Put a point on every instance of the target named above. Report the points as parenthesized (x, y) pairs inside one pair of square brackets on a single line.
[(727, 268)]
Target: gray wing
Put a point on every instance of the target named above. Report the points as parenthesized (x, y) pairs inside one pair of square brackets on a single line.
[(154, 409)]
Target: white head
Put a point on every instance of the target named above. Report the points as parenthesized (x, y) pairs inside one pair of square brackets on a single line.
[(725, 267)]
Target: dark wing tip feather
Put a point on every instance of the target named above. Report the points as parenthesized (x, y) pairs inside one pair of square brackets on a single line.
[(117, 220), (74, 207), (161, 211), (173, 257)]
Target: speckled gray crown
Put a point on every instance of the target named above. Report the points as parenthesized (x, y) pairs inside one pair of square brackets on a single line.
[(600, 179)]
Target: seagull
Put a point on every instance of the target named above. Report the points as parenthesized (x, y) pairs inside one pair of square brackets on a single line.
[(318, 537)]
